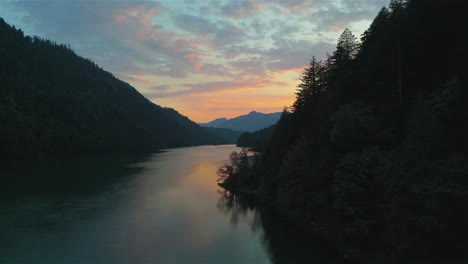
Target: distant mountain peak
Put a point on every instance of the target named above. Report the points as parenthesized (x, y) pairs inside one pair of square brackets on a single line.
[(250, 122)]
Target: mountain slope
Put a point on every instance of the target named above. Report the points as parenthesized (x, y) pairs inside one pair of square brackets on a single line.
[(253, 121), (257, 140), (218, 122), (54, 102), (228, 136)]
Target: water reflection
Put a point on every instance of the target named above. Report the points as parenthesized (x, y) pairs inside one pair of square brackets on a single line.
[(284, 242), (42, 202), (139, 209), (66, 177)]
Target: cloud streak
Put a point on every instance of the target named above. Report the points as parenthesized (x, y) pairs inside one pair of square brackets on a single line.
[(171, 50), (161, 91)]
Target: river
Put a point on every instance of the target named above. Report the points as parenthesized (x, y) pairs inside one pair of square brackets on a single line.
[(159, 208)]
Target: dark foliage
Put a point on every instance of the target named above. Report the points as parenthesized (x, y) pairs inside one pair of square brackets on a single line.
[(257, 140), (375, 151), (284, 241), (226, 136), (54, 102)]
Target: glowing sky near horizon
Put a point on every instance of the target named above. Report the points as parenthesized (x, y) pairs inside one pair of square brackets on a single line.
[(207, 59)]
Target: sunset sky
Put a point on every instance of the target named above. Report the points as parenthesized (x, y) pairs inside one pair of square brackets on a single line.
[(207, 59)]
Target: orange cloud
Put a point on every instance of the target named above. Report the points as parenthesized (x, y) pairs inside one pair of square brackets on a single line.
[(229, 103), (293, 71)]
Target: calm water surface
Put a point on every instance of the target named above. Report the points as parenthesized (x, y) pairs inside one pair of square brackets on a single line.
[(159, 208)]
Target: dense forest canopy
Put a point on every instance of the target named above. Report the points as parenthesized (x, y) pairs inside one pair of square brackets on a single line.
[(256, 140), (374, 152), (54, 102)]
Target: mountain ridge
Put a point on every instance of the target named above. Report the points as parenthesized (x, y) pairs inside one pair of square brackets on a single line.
[(54, 102), (250, 122)]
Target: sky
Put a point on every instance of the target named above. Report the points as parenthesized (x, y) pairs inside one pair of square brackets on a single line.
[(206, 59)]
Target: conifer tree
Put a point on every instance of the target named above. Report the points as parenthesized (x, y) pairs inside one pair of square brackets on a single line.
[(346, 48), (309, 86)]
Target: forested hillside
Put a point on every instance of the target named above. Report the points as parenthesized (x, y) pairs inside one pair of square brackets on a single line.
[(227, 136), (256, 140), (373, 153), (54, 102)]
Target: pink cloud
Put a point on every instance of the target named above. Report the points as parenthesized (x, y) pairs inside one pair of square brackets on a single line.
[(194, 60), (141, 13)]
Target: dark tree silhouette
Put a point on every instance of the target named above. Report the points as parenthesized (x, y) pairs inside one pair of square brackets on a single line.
[(377, 158)]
